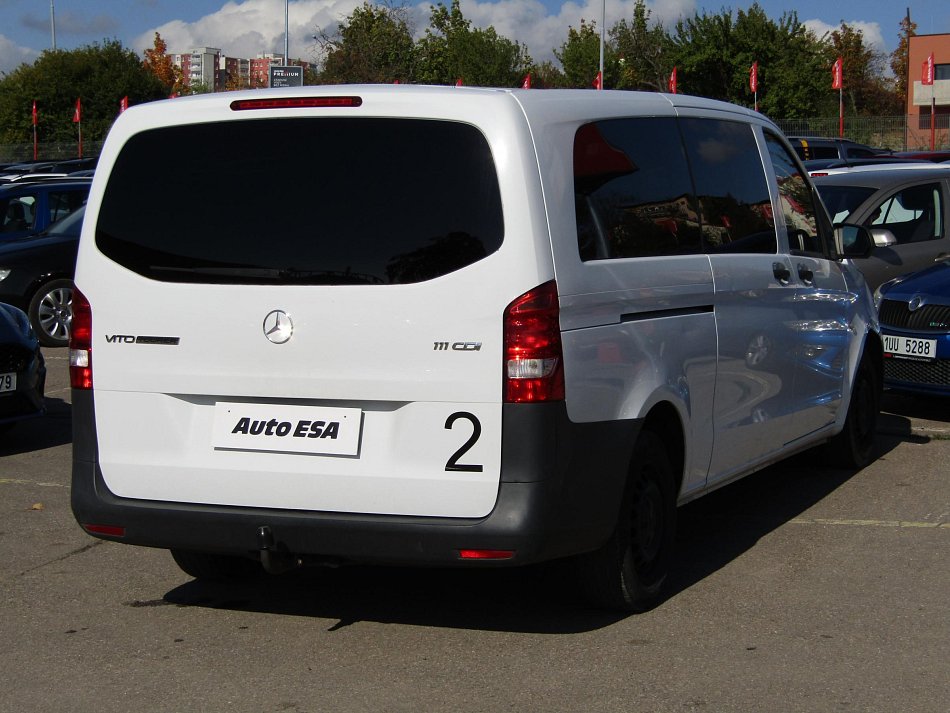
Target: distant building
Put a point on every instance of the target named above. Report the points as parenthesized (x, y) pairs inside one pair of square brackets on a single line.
[(209, 67), (921, 97), (200, 66)]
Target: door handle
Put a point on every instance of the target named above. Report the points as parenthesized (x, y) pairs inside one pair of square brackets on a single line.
[(806, 275), (781, 272)]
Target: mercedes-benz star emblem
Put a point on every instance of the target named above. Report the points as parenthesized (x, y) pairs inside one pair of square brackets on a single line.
[(915, 303), (278, 327)]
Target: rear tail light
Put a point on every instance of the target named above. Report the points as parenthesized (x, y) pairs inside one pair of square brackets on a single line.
[(534, 365), (80, 343), (486, 554)]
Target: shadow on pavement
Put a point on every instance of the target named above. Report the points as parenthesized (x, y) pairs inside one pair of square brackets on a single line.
[(713, 531), (35, 434)]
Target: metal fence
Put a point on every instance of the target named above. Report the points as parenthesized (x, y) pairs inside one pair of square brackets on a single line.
[(898, 133), (21, 153)]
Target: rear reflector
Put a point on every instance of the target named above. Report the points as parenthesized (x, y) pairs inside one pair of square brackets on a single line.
[(486, 554), (80, 343), (108, 530), (294, 103)]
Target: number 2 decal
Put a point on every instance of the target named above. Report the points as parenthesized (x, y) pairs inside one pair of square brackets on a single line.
[(452, 464)]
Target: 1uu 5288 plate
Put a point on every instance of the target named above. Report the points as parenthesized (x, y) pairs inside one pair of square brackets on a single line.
[(910, 347)]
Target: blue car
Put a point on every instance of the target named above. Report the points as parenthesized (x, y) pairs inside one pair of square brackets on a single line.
[(914, 313), (22, 369)]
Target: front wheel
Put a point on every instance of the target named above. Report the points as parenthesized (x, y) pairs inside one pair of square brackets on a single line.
[(628, 572), (51, 312), (854, 446)]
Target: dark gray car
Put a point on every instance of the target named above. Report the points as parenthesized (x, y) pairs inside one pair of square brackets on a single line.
[(906, 208)]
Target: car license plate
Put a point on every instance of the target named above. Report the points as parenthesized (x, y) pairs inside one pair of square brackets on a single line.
[(910, 347), (316, 430), (8, 382)]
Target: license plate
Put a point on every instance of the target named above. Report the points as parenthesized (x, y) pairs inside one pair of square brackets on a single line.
[(8, 382), (316, 430), (910, 347)]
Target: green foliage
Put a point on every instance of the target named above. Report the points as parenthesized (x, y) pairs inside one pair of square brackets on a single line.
[(99, 75), (372, 45), (580, 57), (642, 52), (451, 50)]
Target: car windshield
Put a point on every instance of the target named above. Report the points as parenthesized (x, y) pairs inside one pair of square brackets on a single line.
[(842, 201)]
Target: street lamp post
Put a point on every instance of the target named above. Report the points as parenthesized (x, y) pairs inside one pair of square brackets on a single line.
[(52, 22)]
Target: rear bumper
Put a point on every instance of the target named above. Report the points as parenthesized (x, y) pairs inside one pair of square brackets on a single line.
[(560, 492)]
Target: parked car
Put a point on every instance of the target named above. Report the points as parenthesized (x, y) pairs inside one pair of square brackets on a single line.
[(907, 209), (22, 369), (819, 166), (36, 275), (934, 156), (815, 147), (28, 207), (915, 325), (520, 326)]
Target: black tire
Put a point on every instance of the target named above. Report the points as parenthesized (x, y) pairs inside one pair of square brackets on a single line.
[(628, 572), (51, 312), (854, 446), (217, 568)]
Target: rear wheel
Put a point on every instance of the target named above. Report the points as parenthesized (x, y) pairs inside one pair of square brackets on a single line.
[(215, 567), (628, 572), (51, 312), (854, 446)]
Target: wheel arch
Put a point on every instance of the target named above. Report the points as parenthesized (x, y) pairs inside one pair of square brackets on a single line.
[(664, 420)]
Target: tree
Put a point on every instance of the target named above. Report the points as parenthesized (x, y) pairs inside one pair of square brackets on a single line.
[(715, 53), (580, 58), (451, 50), (99, 75), (899, 57), (866, 90), (642, 52), (372, 45), (158, 63)]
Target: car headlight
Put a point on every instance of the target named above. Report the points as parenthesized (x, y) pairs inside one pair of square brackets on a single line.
[(4, 273), (882, 290)]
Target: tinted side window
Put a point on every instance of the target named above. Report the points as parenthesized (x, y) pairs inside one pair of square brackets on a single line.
[(632, 190), (62, 203), (798, 200), (315, 201), (731, 185)]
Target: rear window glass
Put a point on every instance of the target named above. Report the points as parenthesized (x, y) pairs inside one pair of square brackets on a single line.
[(312, 201)]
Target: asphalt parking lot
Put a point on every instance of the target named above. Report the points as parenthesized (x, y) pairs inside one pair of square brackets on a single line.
[(800, 588)]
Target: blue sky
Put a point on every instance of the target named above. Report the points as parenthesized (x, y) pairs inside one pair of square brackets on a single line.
[(247, 27)]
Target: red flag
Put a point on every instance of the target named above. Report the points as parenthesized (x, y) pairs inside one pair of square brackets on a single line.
[(927, 70), (837, 74), (123, 104), (34, 113), (673, 81), (458, 82), (526, 82), (77, 112), (598, 82), (754, 77)]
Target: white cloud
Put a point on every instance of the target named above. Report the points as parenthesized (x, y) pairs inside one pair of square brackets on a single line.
[(873, 38), (13, 55)]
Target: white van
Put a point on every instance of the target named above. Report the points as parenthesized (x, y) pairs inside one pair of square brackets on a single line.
[(452, 326)]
